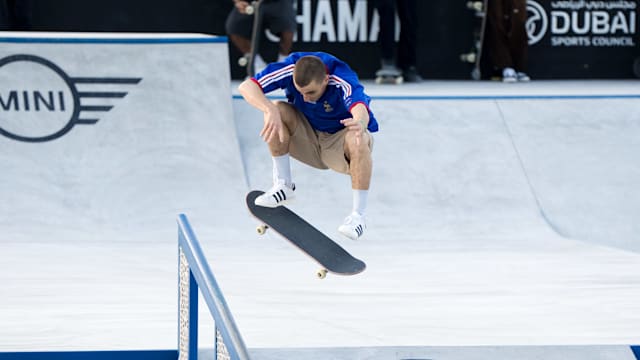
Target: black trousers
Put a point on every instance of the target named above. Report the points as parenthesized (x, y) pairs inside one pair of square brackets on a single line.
[(405, 51), (506, 34)]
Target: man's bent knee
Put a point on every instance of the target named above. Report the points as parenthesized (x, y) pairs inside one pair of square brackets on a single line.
[(354, 147), (288, 114)]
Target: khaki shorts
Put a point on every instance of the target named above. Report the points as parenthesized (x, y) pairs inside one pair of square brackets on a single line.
[(319, 149)]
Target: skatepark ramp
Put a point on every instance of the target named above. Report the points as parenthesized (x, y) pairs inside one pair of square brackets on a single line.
[(498, 216), (104, 139), (112, 133), (498, 198), (482, 158)]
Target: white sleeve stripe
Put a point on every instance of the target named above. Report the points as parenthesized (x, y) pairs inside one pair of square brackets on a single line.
[(346, 87), (276, 75), (284, 75)]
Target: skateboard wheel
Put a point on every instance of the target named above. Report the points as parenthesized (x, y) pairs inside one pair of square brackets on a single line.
[(475, 5), (262, 229), (243, 61), (322, 273), (468, 57), (475, 74), (249, 10)]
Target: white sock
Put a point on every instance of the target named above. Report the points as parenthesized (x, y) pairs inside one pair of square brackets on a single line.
[(282, 169), (360, 201)]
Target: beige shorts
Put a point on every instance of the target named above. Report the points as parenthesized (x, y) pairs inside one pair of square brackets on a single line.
[(319, 149)]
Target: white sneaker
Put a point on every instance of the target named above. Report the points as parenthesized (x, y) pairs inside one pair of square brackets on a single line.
[(522, 76), (353, 226), (509, 75), (279, 194)]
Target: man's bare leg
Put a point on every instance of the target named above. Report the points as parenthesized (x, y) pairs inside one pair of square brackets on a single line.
[(283, 188), (241, 43), (360, 164), (360, 161), (286, 42)]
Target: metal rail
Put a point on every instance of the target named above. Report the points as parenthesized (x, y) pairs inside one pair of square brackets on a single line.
[(202, 277)]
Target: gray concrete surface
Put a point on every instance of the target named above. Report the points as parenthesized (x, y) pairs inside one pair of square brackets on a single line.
[(494, 222)]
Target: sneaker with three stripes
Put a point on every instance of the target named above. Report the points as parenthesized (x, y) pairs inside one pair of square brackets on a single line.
[(353, 226), (279, 194)]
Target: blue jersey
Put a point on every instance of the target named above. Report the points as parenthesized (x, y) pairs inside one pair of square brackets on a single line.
[(343, 92)]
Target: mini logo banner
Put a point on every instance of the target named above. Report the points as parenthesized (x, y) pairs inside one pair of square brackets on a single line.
[(40, 102)]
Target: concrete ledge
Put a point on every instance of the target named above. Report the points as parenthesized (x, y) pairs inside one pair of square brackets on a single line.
[(595, 352)]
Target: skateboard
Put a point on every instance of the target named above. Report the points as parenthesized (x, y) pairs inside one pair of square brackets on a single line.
[(475, 55), (387, 76), (248, 59), (331, 256)]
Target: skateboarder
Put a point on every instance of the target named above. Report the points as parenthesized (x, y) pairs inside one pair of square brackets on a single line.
[(325, 123), (277, 15)]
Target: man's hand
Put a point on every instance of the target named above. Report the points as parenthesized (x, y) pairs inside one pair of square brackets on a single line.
[(272, 126), (241, 5), (355, 125)]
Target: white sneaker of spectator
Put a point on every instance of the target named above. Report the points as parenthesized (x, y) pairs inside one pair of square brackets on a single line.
[(509, 75)]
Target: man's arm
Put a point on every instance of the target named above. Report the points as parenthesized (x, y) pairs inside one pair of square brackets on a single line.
[(359, 120), (254, 95), (361, 113)]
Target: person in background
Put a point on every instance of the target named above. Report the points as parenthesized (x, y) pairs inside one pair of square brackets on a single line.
[(403, 55), (277, 15), (508, 40), (15, 15)]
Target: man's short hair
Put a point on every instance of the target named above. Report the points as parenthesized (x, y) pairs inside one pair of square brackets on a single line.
[(307, 69)]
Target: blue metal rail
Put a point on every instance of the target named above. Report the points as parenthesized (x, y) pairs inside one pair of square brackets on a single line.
[(201, 277)]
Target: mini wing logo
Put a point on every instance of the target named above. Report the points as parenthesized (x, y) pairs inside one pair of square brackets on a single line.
[(39, 102), (537, 22)]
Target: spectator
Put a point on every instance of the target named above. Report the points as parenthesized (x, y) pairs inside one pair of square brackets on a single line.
[(277, 15), (402, 56), (15, 15), (508, 40), (4, 16)]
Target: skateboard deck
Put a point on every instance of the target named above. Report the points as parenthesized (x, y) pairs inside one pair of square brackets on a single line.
[(389, 77), (331, 256), (249, 60), (475, 55)]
